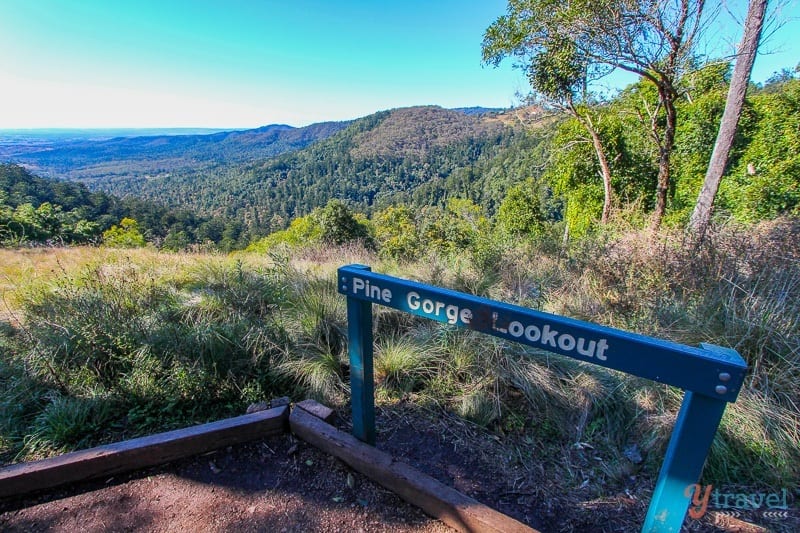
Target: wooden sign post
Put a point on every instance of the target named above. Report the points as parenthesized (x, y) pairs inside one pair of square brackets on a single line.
[(710, 376)]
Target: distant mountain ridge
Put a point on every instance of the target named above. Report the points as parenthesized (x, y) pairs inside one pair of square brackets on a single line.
[(478, 110), (86, 159)]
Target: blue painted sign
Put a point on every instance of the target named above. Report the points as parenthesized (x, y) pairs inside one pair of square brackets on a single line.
[(714, 372), (710, 375)]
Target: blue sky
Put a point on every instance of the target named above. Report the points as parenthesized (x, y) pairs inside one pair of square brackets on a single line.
[(235, 63)]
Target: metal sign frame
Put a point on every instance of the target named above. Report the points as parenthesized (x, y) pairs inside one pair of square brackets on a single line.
[(711, 376)]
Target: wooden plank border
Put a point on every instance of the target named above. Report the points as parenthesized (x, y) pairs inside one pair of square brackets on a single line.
[(435, 498), (22, 478)]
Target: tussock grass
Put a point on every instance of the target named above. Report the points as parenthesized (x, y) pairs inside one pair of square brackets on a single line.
[(741, 289), (402, 363)]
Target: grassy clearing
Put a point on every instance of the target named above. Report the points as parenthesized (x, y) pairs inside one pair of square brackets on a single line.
[(112, 344)]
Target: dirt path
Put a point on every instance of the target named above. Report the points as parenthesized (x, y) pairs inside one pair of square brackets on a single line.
[(279, 485), (285, 485)]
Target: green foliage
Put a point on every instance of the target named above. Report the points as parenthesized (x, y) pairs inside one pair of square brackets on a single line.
[(424, 157), (126, 235), (119, 347), (67, 423), (301, 231), (34, 210), (368, 164), (455, 228), (339, 224), (697, 132), (31, 210), (521, 214), (333, 224), (764, 177), (396, 233), (116, 346), (400, 364), (572, 177), (317, 323)]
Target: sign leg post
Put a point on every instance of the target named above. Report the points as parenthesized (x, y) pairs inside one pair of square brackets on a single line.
[(688, 447), (362, 385)]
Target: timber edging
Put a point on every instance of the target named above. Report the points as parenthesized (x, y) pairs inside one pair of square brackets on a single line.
[(435, 498), (308, 420), (142, 452)]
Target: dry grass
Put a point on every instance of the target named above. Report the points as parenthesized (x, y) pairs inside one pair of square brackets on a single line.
[(740, 291)]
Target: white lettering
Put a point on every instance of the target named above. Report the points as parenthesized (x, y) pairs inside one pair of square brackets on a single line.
[(532, 333), (549, 336), (358, 284), (566, 342), (584, 351), (494, 324), (602, 346), (373, 292), (450, 313)]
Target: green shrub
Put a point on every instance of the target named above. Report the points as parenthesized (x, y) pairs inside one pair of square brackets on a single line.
[(126, 235)]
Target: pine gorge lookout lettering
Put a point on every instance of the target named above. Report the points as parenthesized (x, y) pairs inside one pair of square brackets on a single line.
[(537, 334)]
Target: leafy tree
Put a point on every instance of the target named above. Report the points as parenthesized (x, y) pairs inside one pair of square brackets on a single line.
[(301, 231), (455, 228), (126, 235), (781, 76), (396, 233), (650, 38), (85, 230), (558, 73), (176, 240), (700, 112), (44, 210), (339, 225), (764, 178), (521, 213)]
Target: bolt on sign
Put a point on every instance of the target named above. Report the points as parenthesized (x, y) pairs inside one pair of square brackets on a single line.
[(710, 376)]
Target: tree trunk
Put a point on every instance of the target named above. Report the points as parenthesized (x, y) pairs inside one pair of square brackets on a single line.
[(701, 216), (605, 169), (667, 96)]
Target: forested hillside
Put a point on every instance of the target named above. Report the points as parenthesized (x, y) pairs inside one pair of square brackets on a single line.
[(530, 168), (36, 210), (374, 161)]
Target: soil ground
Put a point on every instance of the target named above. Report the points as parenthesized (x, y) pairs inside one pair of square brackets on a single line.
[(282, 484)]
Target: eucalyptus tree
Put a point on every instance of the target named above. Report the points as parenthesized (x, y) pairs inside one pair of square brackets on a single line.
[(754, 23), (565, 46), (559, 76)]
